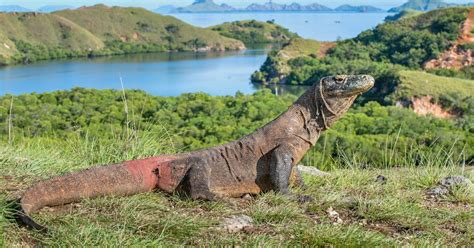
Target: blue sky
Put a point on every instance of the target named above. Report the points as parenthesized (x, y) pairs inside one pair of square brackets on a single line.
[(33, 4)]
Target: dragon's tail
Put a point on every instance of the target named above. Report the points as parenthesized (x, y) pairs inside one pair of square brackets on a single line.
[(129, 178)]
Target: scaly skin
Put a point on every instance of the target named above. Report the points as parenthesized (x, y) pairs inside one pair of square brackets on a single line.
[(258, 162)]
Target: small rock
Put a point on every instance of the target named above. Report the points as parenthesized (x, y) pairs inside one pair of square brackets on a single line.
[(334, 216), (381, 179), (446, 185), (312, 171), (449, 182), (438, 191), (247, 197), (305, 198), (237, 223)]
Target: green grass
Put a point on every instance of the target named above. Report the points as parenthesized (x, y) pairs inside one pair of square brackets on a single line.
[(418, 83), (299, 47), (397, 213)]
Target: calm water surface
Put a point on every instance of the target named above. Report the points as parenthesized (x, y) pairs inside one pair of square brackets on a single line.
[(166, 74), (319, 26), (171, 74)]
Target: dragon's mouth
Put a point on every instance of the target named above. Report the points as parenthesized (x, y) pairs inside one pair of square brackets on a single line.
[(352, 85), (364, 84)]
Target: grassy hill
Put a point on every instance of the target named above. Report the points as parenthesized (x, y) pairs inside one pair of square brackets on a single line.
[(419, 83), (100, 30), (255, 32), (277, 68), (138, 25)]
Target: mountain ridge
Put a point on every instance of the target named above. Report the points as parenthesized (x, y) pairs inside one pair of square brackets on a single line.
[(209, 6)]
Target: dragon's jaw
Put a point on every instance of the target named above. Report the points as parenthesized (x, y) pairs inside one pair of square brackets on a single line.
[(346, 85)]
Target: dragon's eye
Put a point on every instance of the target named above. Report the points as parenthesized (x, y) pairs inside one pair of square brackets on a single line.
[(339, 79)]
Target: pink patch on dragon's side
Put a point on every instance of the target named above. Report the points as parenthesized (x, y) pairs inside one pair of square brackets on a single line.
[(145, 170)]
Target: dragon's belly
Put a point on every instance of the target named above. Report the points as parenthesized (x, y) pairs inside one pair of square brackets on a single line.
[(234, 178)]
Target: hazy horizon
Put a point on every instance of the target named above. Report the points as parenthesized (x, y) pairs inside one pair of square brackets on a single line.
[(385, 4)]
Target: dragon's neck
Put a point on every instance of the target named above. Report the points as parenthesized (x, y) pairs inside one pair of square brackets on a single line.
[(316, 109)]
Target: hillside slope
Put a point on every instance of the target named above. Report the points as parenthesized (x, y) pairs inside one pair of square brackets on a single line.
[(405, 44), (254, 32), (419, 83), (100, 30), (277, 67), (48, 30), (142, 26)]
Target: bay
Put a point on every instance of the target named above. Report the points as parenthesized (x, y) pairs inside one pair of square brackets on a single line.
[(171, 74)]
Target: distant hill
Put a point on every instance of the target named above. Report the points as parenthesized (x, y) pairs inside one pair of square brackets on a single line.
[(255, 32), (165, 9), (52, 8), (361, 8), (425, 5), (13, 8), (205, 6), (100, 30), (285, 7)]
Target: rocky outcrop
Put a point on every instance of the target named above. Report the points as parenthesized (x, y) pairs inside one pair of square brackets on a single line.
[(461, 54), (455, 58), (425, 106), (448, 184)]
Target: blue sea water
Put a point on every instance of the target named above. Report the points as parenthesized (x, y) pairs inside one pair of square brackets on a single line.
[(171, 74)]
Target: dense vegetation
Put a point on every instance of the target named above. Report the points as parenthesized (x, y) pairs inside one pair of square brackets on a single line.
[(100, 30), (382, 52), (409, 42), (255, 32), (367, 134)]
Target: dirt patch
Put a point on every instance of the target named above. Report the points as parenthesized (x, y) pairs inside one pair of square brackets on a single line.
[(424, 106), (467, 36), (456, 57), (123, 38), (324, 48), (431, 202), (135, 36)]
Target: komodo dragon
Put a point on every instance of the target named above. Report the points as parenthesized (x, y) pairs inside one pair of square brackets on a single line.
[(258, 162)]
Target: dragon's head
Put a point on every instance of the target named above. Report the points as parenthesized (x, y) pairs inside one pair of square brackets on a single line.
[(336, 94)]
